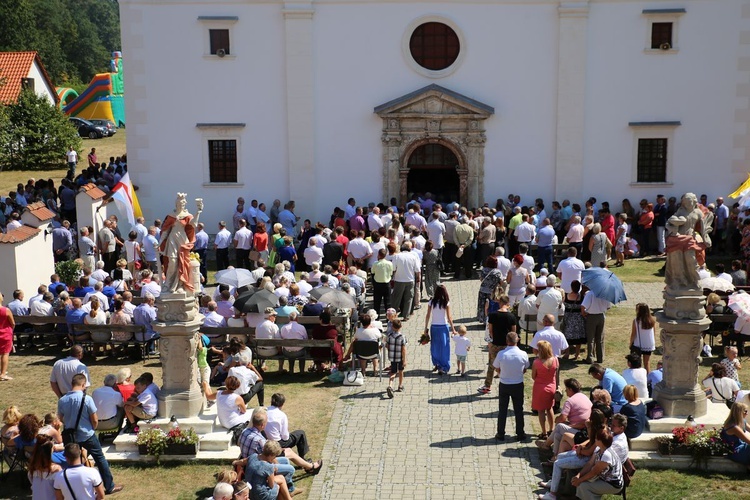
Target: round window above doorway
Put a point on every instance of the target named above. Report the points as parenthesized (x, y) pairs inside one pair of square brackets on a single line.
[(433, 46)]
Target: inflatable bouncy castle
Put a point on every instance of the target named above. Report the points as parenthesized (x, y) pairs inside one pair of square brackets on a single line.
[(103, 99)]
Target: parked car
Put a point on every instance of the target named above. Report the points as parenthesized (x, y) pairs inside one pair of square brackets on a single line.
[(87, 129), (109, 125)]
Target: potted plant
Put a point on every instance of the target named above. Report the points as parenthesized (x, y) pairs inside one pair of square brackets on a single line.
[(698, 442), (156, 442), (69, 272)]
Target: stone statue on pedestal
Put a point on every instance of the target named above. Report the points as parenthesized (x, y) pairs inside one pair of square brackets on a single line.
[(684, 316), (176, 242), (178, 319)]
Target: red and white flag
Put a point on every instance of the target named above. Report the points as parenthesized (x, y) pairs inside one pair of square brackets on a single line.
[(124, 195)]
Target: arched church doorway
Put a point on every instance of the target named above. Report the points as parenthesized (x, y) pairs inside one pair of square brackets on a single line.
[(434, 168)]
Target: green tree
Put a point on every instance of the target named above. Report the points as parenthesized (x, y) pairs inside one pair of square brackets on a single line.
[(37, 135)]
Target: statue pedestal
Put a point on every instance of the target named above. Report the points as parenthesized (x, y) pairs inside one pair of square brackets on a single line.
[(682, 322), (177, 323)]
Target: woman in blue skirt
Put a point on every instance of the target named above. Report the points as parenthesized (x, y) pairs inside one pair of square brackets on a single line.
[(440, 336)]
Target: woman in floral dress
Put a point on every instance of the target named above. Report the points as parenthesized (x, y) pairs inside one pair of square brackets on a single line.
[(574, 327)]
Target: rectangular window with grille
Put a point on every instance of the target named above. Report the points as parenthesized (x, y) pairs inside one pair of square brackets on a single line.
[(222, 160), (219, 41), (661, 35), (652, 160)]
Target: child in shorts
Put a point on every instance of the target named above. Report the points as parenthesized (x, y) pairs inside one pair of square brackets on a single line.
[(143, 408), (731, 364), (463, 345), (397, 354)]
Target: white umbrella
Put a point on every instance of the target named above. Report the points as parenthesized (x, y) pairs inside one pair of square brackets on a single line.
[(716, 284), (235, 277)]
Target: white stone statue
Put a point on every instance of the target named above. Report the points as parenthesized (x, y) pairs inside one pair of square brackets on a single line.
[(687, 239), (176, 243)]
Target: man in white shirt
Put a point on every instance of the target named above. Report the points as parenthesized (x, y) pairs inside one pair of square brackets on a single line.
[(569, 270), (43, 307), (243, 242), (351, 209), (313, 253), (268, 329), (413, 218), (293, 331), (592, 310), (359, 251), (503, 263), (374, 222), (525, 232), (720, 273), (140, 230), (551, 335), (417, 240), (511, 363), (528, 260), (103, 300), (527, 307), (85, 482), (63, 370), (213, 319), (221, 245), (109, 404), (436, 232), (277, 427), (549, 301), (406, 270), (99, 274)]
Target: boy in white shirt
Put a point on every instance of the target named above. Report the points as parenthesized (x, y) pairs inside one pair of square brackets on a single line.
[(463, 345), (144, 407)]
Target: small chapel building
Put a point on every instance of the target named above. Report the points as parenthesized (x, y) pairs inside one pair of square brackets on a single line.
[(317, 101)]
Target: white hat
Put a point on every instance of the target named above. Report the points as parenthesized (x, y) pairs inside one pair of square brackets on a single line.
[(270, 311)]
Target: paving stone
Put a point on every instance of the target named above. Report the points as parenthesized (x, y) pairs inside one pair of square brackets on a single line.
[(434, 441)]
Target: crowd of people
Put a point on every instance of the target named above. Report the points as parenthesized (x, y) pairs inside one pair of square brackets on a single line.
[(400, 254)]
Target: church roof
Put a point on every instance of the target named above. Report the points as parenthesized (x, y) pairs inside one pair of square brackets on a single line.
[(14, 66), (19, 235)]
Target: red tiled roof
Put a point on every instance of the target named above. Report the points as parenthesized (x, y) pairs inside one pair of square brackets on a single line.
[(17, 65), (94, 192), (41, 212), (19, 235)]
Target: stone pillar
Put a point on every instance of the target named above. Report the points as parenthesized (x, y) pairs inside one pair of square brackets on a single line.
[(682, 322), (571, 98), (300, 103), (177, 323)]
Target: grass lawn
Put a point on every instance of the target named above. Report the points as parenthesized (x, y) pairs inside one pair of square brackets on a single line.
[(310, 402), (105, 147)]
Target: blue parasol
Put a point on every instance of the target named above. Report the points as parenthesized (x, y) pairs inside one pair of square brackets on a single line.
[(604, 284)]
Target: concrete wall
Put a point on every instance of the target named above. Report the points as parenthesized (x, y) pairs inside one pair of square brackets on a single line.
[(511, 62), (40, 84), (26, 265)]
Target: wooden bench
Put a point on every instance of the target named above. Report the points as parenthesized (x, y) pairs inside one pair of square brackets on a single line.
[(104, 337), (219, 336), (41, 326)]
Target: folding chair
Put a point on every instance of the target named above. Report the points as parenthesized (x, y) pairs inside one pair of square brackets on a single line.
[(18, 461), (370, 350), (529, 318)]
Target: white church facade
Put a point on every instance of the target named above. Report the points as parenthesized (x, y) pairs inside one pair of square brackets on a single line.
[(317, 101)]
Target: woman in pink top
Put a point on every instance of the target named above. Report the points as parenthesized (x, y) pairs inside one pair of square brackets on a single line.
[(7, 324), (260, 241), (645, 221), (543, 373)]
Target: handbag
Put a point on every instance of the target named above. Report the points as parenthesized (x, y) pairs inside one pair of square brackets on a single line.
[(69, 435), (727, 401), (654, 411), (581, 436), (353, 378), (254, 255)]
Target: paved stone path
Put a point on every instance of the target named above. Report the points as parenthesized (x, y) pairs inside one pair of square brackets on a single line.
[(433, 441), (650, 293)]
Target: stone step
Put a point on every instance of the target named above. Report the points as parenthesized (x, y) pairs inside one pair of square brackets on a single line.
[(653, 460), (215, 441), (203, 423), (715, 417), (223, 457), (645, 442)]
